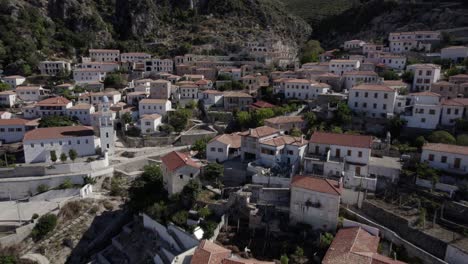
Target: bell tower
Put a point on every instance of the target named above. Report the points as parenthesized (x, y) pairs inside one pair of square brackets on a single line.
[(106, 127)]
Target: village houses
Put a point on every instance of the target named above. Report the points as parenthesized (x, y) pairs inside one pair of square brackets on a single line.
[(372, 100), (178, 169), (14, 80), (154, 106), (339, 67), (424, 76), (223, 147), (54, 67)]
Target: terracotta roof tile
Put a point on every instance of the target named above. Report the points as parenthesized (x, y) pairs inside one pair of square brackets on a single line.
[(151, 117), (54, 101), (153, 101), (13, 122), (209, 253), (234, 139), (355, 245), (284, 119), (285, 140), (321, 185), (439, 147), (58, 132), (260, 132), (425, 94), (262, 104), (456, 102), (357, 141), (372, 87), (175, 160)]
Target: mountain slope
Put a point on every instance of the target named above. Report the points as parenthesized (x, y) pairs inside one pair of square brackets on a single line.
[(31, 30)]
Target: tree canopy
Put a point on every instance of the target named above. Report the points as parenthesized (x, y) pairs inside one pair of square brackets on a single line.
[(56, 121), (147, 188), (441, 136)]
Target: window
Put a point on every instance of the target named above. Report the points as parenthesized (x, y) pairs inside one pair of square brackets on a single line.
[(60, 143), (360, 154), (42, 144), (431, 111), (357, 94), (349, 152), (443, 159), (449, 110), (213, 149), (366, 94), (19, 129), (355, 104), (423, 120), (78, 142), (431, 157), (384, 106), (385, 95), (181, 176), (32, 145), (107, 135), (220, 150), (376, 95)]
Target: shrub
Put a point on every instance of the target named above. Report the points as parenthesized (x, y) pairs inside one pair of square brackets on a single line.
[(34, 216), (53, 156), (208, 229), (42, 188), (63, 157), (45, 224), (66, 184), (441, 137), (72, 154)]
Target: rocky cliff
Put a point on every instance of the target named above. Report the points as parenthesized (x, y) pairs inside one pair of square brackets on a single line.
[(31, 30)]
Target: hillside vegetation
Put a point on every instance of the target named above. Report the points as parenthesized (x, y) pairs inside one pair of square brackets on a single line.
[(314, 11), (34, 30)]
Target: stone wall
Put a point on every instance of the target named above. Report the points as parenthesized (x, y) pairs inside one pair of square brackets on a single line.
[(456, 212), (402, 226), (138, 142), (386, 233)]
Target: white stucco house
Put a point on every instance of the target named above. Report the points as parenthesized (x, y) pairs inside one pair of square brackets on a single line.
[(14, 80), (82, 76), (31, 93), (251, 139), (354, 44), (150, 123), (13, 130), (402, 42), (373, 100), (178, 169), (223, 147), (54, 67), (451, 158), (424, 111), (154, 106), (393, 61), (341, 66), (303, 89), (454, 53), (106, 55), (315, 201), (424, 76), (39, 143), (82, 112), (354, 78), (452, 110), (7, 98)]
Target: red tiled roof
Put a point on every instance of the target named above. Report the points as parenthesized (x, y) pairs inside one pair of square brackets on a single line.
[(234, 139), (153, 101), (54, 101), (425, 94), (284, 119), (285, 140), (209, 253), (59, 132), (7, 93), (104, 50), (373, 87), (260, 132), (82, 106), (462, 150), (357, 246), (371, 73), (357, 141), (321, 185), (262, 104), (456, 102), (13, 121), (175, 160), (151, 117)]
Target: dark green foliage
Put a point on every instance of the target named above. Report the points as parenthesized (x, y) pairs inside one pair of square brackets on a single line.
[(180, 218), (213, 171), (179, 119), (311, 51), (53, 156), (462, 140), (63, 157), (56, 121), (441, 137), (342, 114), (72, 154), (114, 80), (4, 87), (407, 76), (45, 224), (42, 188), (200, 146), (66, 184), (389, 75), (126, 118), (394, 125), (147, 188)]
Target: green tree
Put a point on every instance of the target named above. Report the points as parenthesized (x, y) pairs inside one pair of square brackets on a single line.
[(53, 156), (114, 80), (441, 136), (180, 218), (179, 119), (213, 171), (326, 240), (56, 121), (189, 193), (310, 119), (298, 256), (336, 129), (284, 259), (208, 229), (127, 118), (159, 212), (452, 71), (395, 125), (419, 142), (200, 146), (258, 116), (295, 132), (310, 51), (72, 154), (343, 114), (462, 140), (204, 212), (45, 225), (117, 186), (147, 188), (389, 75), (63, 157), (407, 76), (243, 119), (4, 87)]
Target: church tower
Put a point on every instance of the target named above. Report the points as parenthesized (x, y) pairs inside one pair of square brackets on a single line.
[(106, 127)]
